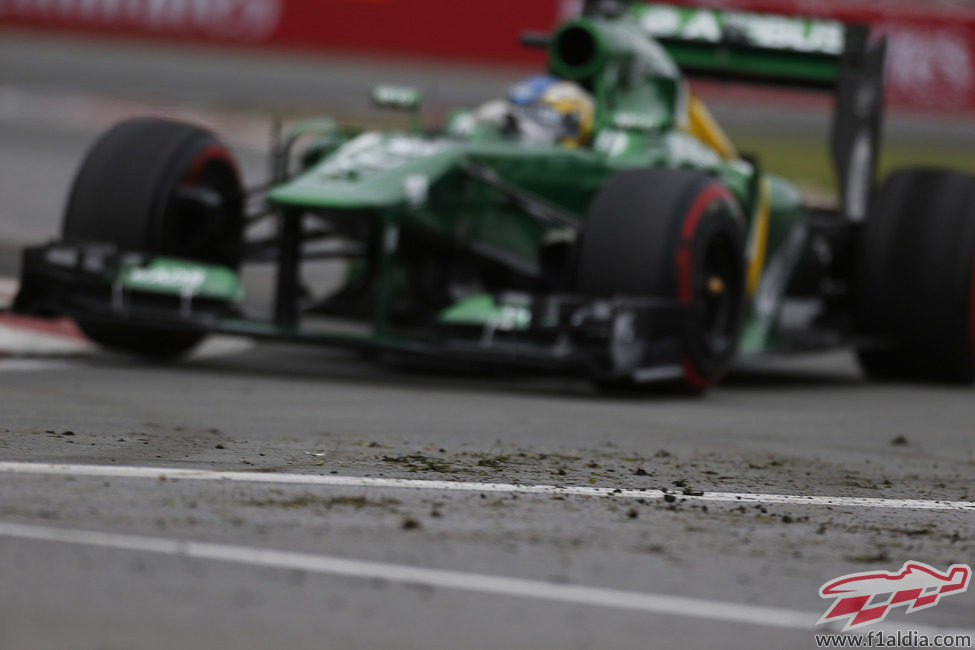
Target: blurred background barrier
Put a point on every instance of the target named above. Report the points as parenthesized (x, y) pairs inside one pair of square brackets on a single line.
[(471, 31), (932, 62)]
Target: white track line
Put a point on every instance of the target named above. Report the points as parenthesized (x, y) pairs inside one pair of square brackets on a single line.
[(711, 610), (21, 365), (114, 471), (487, 584)]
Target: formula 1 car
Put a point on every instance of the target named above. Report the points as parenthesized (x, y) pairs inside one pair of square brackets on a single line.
[(647, 251)]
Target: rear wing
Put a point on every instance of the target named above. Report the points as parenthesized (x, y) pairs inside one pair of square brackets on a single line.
[(735, 45), (790, 52)]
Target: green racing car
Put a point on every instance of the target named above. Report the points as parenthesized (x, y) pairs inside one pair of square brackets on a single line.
[(595, 220)]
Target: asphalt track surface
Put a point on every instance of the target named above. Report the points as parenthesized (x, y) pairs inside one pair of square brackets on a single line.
[(305, 537)]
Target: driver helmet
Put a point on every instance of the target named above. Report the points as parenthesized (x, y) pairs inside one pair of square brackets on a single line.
[(549, 110)]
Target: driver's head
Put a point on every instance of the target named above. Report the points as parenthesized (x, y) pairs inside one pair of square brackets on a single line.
[(552, 111)]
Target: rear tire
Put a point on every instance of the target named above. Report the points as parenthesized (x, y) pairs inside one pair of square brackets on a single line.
[(125, 193), (673, 234), (916, 278)]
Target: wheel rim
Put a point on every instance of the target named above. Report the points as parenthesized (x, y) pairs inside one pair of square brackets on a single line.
[(717, 293)]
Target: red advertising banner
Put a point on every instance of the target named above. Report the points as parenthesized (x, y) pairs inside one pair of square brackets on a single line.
[(478, 31), (932, 53)]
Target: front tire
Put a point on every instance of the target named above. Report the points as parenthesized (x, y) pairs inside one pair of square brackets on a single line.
[(156, 186), (674, 234), (916, 278)]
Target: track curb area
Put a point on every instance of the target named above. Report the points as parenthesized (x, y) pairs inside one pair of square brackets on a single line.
[(24, 336)]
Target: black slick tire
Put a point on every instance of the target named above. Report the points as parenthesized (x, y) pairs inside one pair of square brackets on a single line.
[(126, 193), (672, 234), (916, 279)]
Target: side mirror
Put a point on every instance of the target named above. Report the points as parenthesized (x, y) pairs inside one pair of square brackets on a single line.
[(401, 98)]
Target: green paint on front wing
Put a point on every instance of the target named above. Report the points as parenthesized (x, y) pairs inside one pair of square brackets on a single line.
[(183, 278), (485, 310)]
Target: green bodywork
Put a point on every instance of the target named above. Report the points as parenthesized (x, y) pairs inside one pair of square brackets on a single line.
[(487, 310), (414, 180)]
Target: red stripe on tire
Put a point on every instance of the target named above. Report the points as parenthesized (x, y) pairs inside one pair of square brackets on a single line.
[(694, 378), (697, 208), (684, 264), (199, 163)]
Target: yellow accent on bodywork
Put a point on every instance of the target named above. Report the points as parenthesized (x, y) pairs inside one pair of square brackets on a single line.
[(702, 125), (758, 243), (568, 98)]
